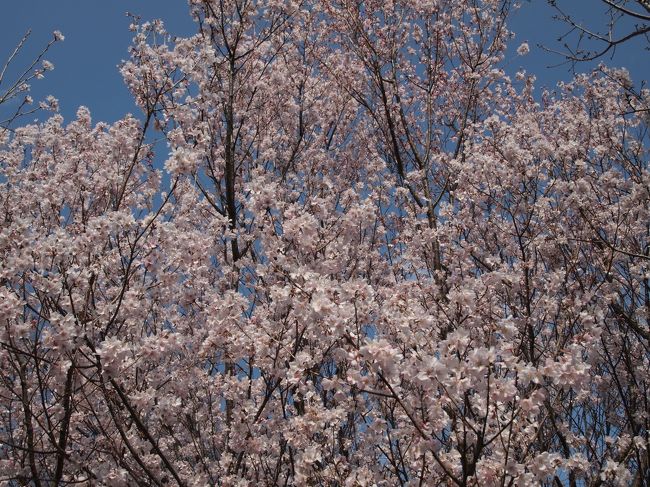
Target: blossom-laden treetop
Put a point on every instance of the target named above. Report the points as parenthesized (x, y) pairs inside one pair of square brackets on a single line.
[(371, 258)]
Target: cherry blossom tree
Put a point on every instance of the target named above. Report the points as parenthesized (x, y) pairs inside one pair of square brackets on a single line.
[(371, 258)]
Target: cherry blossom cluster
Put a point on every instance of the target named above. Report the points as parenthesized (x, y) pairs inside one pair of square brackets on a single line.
[(369, 257)]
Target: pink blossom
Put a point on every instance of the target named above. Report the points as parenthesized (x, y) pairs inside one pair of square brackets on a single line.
[(523, 49)]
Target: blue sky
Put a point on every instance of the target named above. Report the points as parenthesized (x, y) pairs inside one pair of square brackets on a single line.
[(97, 39)]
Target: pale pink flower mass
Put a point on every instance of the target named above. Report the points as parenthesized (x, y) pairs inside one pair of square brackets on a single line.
[(338, 246), (523, 49)]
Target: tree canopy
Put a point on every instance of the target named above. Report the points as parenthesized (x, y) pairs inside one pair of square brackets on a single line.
[(371, 258)]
